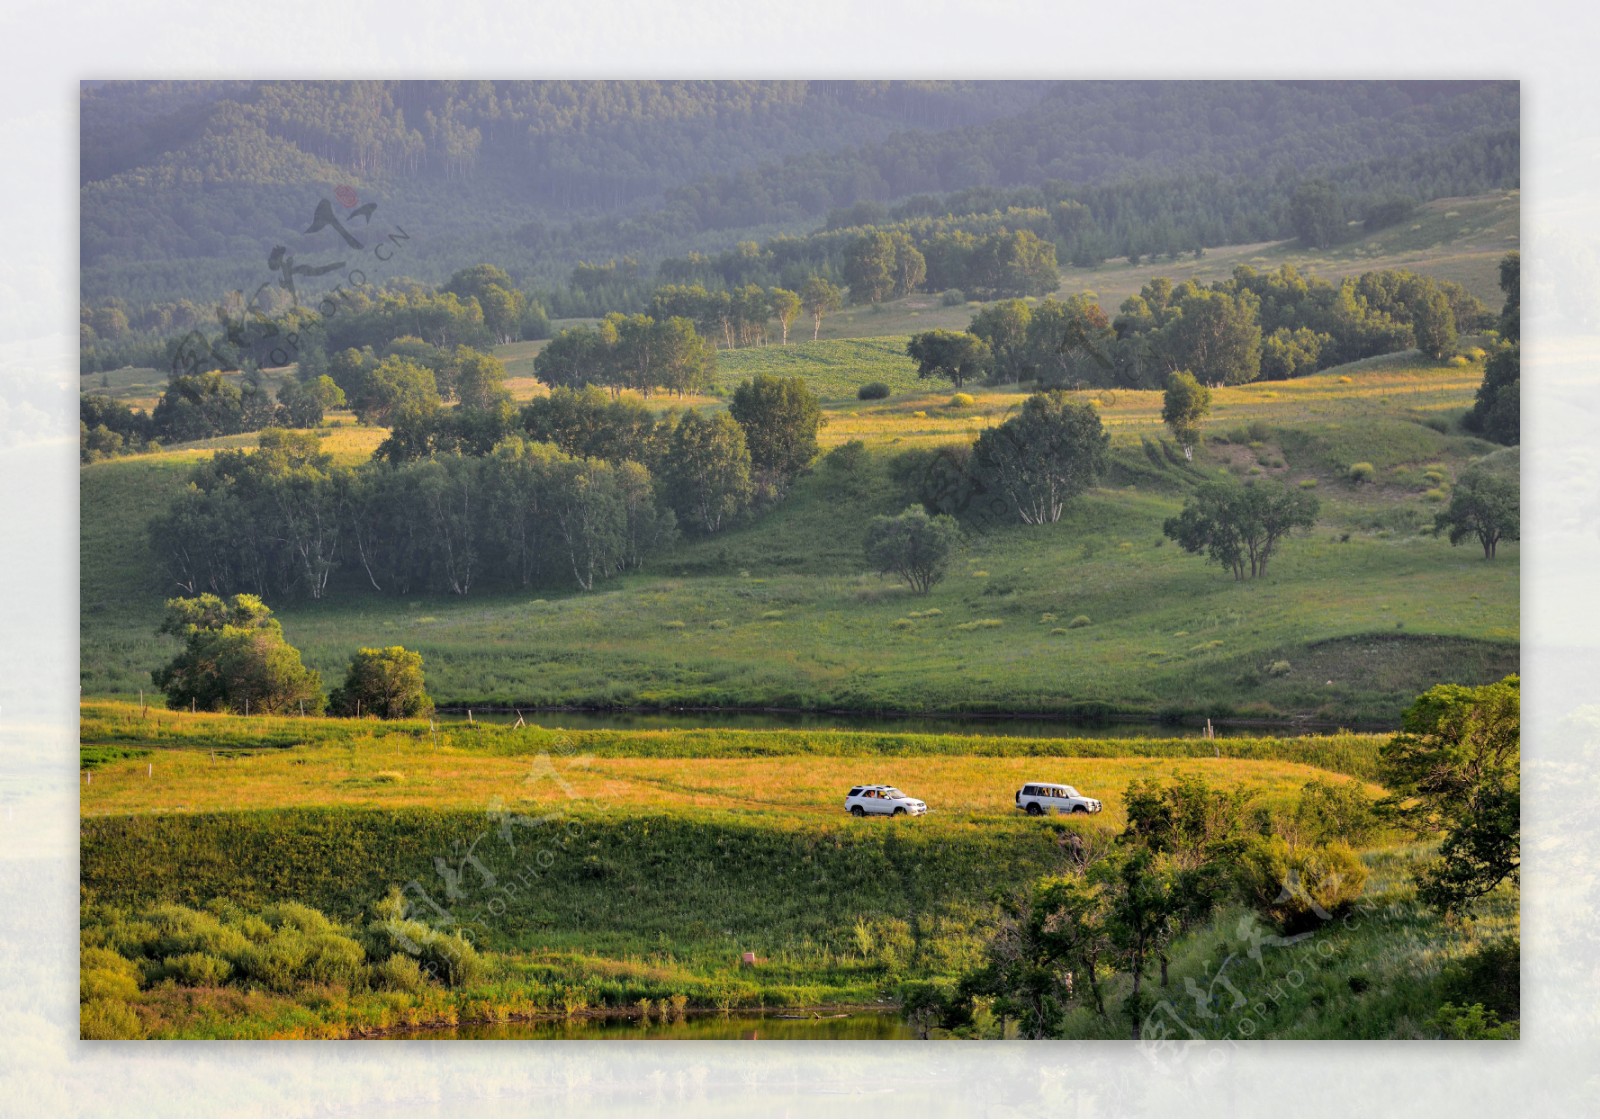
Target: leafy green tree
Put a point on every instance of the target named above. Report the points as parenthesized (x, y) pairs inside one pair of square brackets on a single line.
[(819, 297), (590, 516), (302, 404), (869, 268), (1003, 328), (780, 417), (1434, 324), (1140, 917), (708, 471), (913, 546), (954, 355), (1241, 526), (1510, 324), (397, 390), (234, 659), (386, 683), (1042, 458), (1486, 503), (1497, 410), (198, 406), (1183, 405), (785, 308), (1455, 769), (1216, 336), (1069, 341), (1289, 353)]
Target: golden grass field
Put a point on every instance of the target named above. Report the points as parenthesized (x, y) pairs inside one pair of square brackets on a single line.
[(800, 791)]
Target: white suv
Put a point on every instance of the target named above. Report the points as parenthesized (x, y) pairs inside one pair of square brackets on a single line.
[(1037, 798), (887, 800)]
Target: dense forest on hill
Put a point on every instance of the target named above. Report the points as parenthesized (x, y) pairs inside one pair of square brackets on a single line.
[(187, 186)]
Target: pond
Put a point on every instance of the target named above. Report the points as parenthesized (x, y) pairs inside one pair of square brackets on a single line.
[(746, 1025), (1033, 727)]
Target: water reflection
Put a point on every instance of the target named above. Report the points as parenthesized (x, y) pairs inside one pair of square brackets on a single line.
[(855, 1025)]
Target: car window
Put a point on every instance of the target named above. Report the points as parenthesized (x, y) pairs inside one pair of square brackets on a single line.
[(1071, 792), (854, 792), (1030, 791), (892, 793)]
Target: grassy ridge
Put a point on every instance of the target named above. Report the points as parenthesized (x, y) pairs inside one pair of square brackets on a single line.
[(108, 728), (1366, 612)]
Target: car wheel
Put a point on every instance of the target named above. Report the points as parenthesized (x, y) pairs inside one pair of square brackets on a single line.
[(1034, 810), (857, 811), (899, 810), (1080, 809)]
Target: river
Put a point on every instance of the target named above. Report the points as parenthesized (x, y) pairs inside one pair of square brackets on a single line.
[(747, 1025)]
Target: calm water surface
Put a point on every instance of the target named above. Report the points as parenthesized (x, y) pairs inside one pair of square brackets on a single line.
[(855, 1025)]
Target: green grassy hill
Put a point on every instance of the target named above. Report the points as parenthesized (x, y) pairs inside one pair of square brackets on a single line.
[(721, 843), (1366, 611)]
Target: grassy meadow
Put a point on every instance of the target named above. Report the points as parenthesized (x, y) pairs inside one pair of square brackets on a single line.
[(595, 870), (1366, 611)]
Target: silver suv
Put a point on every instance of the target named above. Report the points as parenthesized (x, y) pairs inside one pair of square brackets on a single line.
[(885, 800)]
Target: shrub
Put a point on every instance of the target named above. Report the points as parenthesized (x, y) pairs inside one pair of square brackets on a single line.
[(952, 297), (107, 1018), (1437, 423), (919, 415), (673, 624), (196, 970), (771, 616), (1435, 495), (980, 624), (962, 400), (931, 612), (1058, 630), (399, 973), (1473, 1022), (848, 457), (102, 974), (1308, 484), (1360, 472), (1298, 888), (1334, 811), (1491, 975), (1278, 669), (1079, 622), (873, 391), (717, 624), (1459, 362), (902, 624)]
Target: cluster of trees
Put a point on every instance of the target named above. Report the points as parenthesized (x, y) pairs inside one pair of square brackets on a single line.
[(235, 659), (630, 352), (1055, 343), (1497, 411), (743, 316), (1124, 900), (478, 306), (602, 485), (200, 406), (1024, 471), (1252, 325)]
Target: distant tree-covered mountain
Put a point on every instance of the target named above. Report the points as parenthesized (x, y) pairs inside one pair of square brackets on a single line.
[(187, 186)]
